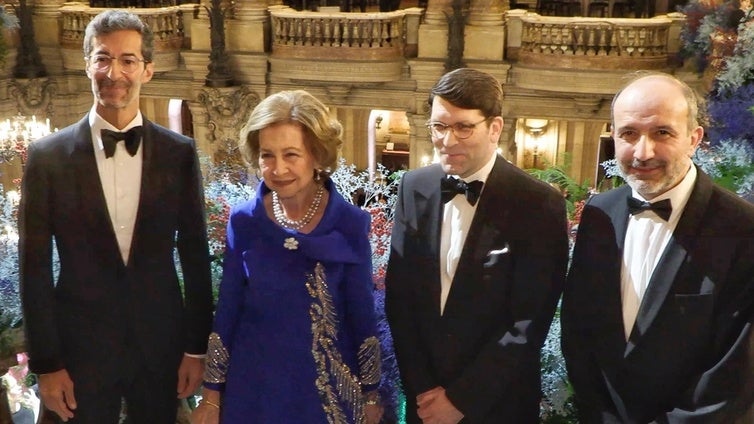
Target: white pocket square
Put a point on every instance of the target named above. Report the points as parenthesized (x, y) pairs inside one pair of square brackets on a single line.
[(502, 251), (494, 255)]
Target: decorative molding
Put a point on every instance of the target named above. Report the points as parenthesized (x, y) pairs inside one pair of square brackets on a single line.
[(34, 96), (227, 110)]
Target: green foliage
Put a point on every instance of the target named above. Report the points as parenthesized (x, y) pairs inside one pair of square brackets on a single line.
[(730, 164), (558, 177)]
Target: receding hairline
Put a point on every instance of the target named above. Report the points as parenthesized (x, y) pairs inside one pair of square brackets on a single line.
[(692, 102)]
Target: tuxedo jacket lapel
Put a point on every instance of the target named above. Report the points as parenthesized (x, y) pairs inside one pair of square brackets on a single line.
[(673, 258), (482, 234), (148, 177), (429, 211), (87, 183)]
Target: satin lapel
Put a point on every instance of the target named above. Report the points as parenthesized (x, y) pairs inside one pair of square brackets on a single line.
[(664, 275), (617, 212), (619, 216), (149, 170), (89, 187), (429, 208), (482, 234)]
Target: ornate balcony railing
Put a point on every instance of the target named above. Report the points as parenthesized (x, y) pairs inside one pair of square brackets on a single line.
[(586, 43), (166, 24), (337, 35), (338, 46)]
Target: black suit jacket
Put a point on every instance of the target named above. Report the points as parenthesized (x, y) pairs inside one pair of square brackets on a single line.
[(100, 318), (688, 358), (484, 350)]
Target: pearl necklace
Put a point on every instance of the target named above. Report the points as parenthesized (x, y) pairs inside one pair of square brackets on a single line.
[(294, 224)]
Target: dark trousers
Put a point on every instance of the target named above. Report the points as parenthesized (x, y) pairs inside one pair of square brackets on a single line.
[(150, 398)]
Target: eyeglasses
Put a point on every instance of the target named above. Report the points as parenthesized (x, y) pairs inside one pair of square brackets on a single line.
[(128, 63), (462, 131)]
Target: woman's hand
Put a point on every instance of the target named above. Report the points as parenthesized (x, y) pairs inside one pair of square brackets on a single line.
[(373, 413), (208, 410), (205, 414), (373, 407)]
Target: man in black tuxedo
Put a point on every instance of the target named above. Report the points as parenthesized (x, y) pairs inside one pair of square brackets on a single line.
[(659, 301), (473, 279), (115, 324)]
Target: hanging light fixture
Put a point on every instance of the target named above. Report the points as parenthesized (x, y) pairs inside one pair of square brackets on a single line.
[(17, 133)]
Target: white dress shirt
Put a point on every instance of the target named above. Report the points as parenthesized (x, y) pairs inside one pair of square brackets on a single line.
[(647, 236), (456, 221), (120, 176)]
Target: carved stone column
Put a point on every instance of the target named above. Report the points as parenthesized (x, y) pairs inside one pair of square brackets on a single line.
[(485, 32), (419, 141), (46, 21), (487, 12), (436, 12), (250, 26), (433, 32), (252, 10)]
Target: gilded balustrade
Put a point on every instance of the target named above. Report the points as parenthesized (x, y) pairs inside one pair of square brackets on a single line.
[(337, 35), (585, 43), (166, 24)]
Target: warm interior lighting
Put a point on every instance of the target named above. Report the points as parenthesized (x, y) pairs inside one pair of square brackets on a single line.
[(17, 133), (536, 127)]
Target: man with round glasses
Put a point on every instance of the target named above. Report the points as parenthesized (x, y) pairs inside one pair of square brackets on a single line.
[(117, 194), (477, 264)]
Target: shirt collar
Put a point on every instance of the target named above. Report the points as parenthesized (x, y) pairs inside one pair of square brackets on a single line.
[(96, 122), (483, 172)]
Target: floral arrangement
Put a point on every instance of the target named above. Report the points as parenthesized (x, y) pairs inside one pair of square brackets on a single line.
[(719, 39), (729, 163), (10, 311), (377, 195), (704, 20), (19, 384), (557, 406), (222, 191)]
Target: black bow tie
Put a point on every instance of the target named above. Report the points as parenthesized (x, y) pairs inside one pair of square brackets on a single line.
[(662, 208), (131, 137), (449, 187)]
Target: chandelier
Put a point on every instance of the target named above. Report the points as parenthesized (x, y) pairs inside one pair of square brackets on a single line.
[(17, 133)]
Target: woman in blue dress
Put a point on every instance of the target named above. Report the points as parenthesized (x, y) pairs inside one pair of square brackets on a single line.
[(294, 338)]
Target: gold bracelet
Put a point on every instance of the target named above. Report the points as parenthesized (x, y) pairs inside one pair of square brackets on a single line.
[(205, 401), (372, 398)]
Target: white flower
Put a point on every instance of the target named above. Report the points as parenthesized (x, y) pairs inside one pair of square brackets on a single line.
[(291, 243)]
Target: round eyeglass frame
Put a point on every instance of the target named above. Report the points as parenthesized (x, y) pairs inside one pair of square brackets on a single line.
[(455, 129), (120, 61)]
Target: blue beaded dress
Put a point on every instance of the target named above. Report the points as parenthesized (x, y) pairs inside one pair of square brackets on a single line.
[(294, 338)]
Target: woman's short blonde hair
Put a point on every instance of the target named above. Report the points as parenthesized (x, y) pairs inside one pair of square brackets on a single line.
[(322, 132)]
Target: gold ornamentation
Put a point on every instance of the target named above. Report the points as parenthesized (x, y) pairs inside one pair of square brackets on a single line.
[(369, 361), (330, 366), (217, 360)]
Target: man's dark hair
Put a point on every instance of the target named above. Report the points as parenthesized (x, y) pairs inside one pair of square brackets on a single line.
[(470, 89), (110, 21)]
